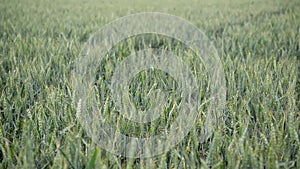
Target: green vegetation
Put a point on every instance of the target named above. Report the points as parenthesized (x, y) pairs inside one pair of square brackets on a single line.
[(258, 43)]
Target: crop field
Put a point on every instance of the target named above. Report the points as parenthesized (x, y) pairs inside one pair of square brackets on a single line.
[(257, 42)]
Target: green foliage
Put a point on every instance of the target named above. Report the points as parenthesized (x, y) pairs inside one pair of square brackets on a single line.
[(258, 42)]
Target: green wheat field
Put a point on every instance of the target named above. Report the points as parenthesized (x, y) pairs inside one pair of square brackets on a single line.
[(258, 44)]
